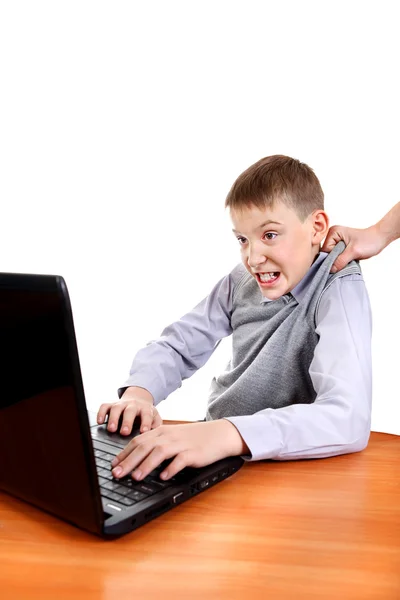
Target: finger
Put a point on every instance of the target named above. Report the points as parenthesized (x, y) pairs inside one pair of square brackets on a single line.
[(342, 260), (158, 454), (130, 458), (335, 234), (130, 414), (180, 461), (157, 420), (114, 415), (132, 445), (144, 459), (146, 418), (329, 244), (103, 411)]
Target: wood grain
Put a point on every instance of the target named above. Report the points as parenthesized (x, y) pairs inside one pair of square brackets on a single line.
[(318, 529)]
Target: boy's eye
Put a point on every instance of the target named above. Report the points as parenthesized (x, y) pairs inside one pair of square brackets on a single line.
[(241, 240), (270, 236)]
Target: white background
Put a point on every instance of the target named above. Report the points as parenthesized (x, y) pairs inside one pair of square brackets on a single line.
[(124, 124)]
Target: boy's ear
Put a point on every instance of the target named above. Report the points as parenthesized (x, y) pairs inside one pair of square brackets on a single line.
[(320, 226)]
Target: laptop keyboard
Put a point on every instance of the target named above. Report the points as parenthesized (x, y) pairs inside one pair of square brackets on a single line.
[(127, 491)]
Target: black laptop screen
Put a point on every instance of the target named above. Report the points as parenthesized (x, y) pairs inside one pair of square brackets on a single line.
[(33, 345), (45, 448)]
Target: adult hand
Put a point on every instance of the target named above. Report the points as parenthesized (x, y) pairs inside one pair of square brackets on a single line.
[(134, 402), (360, 244), (192, 444)]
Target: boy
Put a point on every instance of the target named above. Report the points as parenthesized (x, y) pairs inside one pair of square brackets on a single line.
[(299, 381)]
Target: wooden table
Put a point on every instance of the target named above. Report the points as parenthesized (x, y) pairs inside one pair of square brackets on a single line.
[(318, 529)]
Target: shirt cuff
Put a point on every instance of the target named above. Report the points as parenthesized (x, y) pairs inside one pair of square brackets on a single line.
[(151, 385), (260, 435)]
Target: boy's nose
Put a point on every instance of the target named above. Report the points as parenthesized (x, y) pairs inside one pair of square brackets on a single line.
[(255, 259)]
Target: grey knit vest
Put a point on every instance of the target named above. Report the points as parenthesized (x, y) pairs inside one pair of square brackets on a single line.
[(272, 345)]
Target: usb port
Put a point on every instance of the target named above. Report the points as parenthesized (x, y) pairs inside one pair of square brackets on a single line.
[(204, 484)]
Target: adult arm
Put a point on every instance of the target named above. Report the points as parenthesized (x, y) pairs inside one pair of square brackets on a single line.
[(338, 422), (363, 243)]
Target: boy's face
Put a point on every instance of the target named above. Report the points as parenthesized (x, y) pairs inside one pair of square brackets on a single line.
[(277, 248)]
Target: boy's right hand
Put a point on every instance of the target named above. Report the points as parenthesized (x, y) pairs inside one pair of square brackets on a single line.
[(134, 402)]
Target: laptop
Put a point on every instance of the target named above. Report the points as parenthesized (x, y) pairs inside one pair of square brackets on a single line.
[(51, 455)]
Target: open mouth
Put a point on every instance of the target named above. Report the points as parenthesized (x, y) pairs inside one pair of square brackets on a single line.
[(267, 279)]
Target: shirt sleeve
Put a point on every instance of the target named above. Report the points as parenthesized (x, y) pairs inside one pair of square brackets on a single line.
[(184, 346), (339, 420)]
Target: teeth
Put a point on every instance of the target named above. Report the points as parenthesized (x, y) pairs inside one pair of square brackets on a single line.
[(268, 276)]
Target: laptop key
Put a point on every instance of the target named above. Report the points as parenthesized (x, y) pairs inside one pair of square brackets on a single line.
[(108, 456), (121, 489), (103, 472), (127, 501), (156, 482), (128, 482), (105, 492), (147, 488), (113, 496), (160, 468), (114, 485), (109, 485), (135, 495)]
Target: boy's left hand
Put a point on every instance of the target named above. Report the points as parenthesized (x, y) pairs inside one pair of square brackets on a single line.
[(192, 444)]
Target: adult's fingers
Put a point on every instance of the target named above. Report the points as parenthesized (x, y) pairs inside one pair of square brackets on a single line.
[(335, 234), (343, 259)]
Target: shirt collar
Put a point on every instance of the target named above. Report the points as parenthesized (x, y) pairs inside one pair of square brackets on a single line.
[(300, 289)]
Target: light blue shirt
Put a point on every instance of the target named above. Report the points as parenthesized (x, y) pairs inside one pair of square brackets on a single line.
[(339, 419)]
